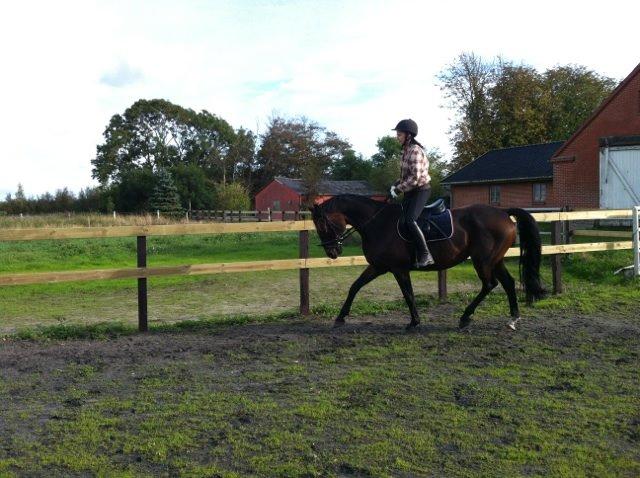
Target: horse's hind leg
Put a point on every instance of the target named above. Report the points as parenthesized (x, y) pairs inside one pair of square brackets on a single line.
[(509, 285), (404, 281), (489, 282), (367, 276)]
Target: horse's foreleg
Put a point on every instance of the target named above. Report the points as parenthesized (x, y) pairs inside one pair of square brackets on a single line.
[(367, 276), (404, 281)]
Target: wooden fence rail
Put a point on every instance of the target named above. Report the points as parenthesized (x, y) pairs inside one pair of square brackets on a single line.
[(142, 272)]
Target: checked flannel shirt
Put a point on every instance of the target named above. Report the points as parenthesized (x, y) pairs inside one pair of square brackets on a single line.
[(414, 169)]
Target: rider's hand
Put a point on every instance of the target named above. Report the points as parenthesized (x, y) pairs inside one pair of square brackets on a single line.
[(393, 192)]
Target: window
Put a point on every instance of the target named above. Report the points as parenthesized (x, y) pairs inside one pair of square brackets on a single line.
[(276, 205), (539, 192), (494, 194)]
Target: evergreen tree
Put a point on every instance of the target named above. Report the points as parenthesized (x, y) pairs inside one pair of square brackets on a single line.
[(165, 194)]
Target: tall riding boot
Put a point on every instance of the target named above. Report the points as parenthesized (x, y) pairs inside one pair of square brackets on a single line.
[(424, 256)]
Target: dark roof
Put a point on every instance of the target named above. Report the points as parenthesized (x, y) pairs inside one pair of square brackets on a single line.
[(519, 163), (623, 84), (331, 188)]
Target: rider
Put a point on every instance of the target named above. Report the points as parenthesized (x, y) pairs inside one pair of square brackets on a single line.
[(414, 183)]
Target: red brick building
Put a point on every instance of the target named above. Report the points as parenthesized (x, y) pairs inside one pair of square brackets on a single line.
[(521, 176), (597, 167), (287, 194)]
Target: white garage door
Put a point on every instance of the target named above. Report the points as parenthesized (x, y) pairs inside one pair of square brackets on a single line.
[(619, 177)]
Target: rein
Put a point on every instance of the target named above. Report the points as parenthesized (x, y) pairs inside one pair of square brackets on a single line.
[(340, 238)]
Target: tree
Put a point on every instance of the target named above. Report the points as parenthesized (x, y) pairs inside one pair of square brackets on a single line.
[(438, 169), (572, 94), (195, 190), (165, 194), (242, 153), (385, 164), (351, 166), (159, 134), (133, 191), (517, 108), (296, 148), (389, 148), (499, 104), (466, 83), (231, 196)]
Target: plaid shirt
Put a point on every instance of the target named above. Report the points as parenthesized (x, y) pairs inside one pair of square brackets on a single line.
[(414, 169)]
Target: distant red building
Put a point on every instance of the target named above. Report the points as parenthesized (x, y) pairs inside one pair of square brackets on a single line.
[(287, 194), (597, 167)]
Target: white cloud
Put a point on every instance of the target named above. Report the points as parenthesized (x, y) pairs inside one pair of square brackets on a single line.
[(356, 67)]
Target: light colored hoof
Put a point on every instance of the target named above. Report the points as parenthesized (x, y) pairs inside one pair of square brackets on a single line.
[(512, 323)]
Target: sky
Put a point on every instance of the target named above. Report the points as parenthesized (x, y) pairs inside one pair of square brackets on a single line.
[(355, 67)]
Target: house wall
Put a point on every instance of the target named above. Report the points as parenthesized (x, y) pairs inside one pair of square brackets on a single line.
[(289, 199), (274, 191), (576, 174), (511, 195)]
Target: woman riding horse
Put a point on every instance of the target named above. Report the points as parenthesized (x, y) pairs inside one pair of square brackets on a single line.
[(414, 183), (480, 232)]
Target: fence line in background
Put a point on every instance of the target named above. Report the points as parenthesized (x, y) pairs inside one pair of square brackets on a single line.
[(560, 245)]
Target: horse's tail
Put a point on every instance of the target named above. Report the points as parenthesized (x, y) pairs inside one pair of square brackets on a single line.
[(530, 254)]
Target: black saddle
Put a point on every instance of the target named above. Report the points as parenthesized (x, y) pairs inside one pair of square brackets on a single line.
[(436, 207), (435, 222)]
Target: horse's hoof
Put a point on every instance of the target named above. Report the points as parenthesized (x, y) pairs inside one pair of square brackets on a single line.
[(338, 323), (512, 323), (412, 325), (464, 324)]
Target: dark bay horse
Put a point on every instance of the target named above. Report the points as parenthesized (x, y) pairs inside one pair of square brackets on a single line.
[(481, 232)]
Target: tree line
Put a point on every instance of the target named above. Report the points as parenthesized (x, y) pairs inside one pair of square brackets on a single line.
[(159, 155)]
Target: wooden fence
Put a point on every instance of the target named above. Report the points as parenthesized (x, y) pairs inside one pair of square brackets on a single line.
[(560, 239), (245, 216)]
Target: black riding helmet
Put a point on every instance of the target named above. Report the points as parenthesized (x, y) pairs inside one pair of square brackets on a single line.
[(407, 126)]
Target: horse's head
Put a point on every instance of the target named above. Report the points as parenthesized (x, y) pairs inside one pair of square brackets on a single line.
[(330, 227)]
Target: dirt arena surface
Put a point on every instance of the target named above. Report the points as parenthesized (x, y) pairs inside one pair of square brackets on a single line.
[(559, 397)]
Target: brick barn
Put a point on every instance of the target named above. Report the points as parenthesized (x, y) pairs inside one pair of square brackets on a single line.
[(597, 167), (511, 177), (288, 194)]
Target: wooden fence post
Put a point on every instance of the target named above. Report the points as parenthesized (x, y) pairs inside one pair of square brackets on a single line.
[(304, 273), (556, 259), (142, 285), (442, 284)]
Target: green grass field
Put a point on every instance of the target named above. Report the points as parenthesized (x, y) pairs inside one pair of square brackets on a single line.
[(179, 297)]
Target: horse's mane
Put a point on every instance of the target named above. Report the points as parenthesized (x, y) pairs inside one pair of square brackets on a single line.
[(333, 204)]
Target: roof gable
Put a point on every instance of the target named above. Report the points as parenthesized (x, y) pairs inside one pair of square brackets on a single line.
[(508, 164), (599, 109), (331, 188)]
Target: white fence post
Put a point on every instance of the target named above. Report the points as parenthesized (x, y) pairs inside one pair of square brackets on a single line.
[(636, 241)]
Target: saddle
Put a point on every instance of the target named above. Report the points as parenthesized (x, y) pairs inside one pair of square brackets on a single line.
[(434, 220)]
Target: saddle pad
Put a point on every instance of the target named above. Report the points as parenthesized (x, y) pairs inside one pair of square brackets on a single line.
[(436, 227)]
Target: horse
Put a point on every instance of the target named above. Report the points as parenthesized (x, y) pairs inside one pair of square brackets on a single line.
[(483, 233)]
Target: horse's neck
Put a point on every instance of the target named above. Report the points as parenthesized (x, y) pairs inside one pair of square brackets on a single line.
[(358, 213)]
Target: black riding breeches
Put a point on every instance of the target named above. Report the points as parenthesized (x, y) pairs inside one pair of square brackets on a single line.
[(413, 203)]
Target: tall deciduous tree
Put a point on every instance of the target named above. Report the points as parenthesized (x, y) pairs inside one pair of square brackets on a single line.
[(499, 104), (160, 134), (298, 148)]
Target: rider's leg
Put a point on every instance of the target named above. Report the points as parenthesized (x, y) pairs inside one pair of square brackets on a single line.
[(414, 203)]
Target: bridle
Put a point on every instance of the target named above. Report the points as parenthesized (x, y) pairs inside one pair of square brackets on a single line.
[(341, 237)]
